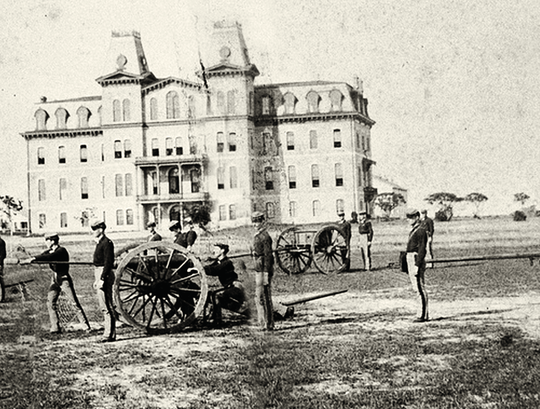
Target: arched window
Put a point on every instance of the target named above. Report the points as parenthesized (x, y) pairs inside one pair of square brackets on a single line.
[(268, 178), (119, 184), (128, 184), (266, 105), (41, 156), (173, 105), (63, 189), (221, 102), (129, 216), (337, 138), (313, 100), (119, 217), (117, 149), (336, 100), (290, 103), (290, 141), (292, 177), (208, 105), (41, 190), (232, 212), (117, 111), (315, 181), (41, 119), (127, 148), (61, 118), (220, 140), (270, 212), (231, 102), (174, 181), (83, 114), (313, 143), (63, 220), (292, 209), (84, 153), (174, 213), (126, 115), (316, 206), (191, 107), (221, 178), (233, 177), (153, 109), (168, 146), (178, 146), (61, 154), (232, 142), (155, 147), (339, 174), (84, 188)]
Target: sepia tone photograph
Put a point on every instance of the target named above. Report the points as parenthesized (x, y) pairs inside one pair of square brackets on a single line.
[(269, 204)]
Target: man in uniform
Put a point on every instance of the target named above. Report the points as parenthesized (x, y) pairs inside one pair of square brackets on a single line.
[(430, 229), (154, 235), (60, 281), (416, 263), (232, 296), (365, 238), (264, 270), (184, 239), (104, 279), (346, 229), (2, 258)]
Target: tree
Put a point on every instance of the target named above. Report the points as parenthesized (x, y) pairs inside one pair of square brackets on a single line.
[(11, 206), (445, 201), (200, 214), (521, 197), (388, 202), (476, 199)]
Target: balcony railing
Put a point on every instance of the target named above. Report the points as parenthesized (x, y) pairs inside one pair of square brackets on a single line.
[(171, 160), (173, 197)]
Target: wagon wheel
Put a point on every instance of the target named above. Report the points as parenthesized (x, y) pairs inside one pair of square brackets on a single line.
[(330, 250), (292, 257), (160, 287)]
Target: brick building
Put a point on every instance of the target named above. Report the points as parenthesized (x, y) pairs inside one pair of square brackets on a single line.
[(151, 148)]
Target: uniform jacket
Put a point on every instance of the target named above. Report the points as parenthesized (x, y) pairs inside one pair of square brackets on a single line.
[(58, 254), (154, 237), (222, 269), (427, 223), (186, 239), (346, 228), (417, 243), (104, 256), (366, 228), (262, 251)]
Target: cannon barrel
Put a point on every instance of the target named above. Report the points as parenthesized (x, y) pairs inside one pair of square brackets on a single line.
[(313, 297), (485, 258)]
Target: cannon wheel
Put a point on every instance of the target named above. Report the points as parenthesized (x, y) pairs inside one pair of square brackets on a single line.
[(329, 249), (292, 257), (154, 291)]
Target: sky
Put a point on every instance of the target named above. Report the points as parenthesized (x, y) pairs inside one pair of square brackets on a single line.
[(454, 88)]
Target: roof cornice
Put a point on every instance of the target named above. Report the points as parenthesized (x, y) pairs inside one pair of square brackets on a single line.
[(324, 116), (62, 133)]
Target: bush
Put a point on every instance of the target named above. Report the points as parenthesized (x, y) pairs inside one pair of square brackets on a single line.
[(519, 216)]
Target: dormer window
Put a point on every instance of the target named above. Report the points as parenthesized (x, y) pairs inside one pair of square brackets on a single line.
[(41, 119), (336, 100), (313, 100), (61, 118), (83, 114), (290, 103)]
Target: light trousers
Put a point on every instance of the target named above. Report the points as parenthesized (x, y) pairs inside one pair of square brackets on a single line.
[(416, 275), (263, 300), (105, 302)]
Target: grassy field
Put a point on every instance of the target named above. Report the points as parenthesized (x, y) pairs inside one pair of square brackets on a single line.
[(355, 350)]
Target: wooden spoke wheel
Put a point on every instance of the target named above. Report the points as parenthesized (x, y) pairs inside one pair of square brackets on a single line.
[(160, 287), (293, 251), (330, 250)]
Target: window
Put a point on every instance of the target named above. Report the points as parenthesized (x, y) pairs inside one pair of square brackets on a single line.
[(270, 212), (41, 119), (84, 153), (155, 186), (316, 207), (251, 102), (269, 147), (222, 212), (313, 101), (41, 190), (117, 149), (62, 189), (191, 107), (168, 147), (220, 141), (290, 103), (313, 143), (340, 206), (336, 98), (126, 116), (221, 178), (173, 105), (292, 177), (174, 181), (129, 217), (292, 209), (315, 182), (61, 118), (153, 109), (178, 145), (41, 156), (116, 111), (83, 114), (337, 138), (232, 142), (84, 188), (61, 154), (63, 220), (127, 148), (221, 102), (358, 142), (338, 170), (42, 221), (360, 176), (290, 141), (119, 217), (155, 147), (231, 103), (232, 212), (265, 105), (119, 185), (268, 178), (128, 184), (208, 105), (233, 177), (85, 218)]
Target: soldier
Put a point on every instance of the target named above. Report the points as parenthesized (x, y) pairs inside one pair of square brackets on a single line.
[(264, 269), (60, 281), (104, 279), (2, 258), (154, 235), (416, 264), (364, 241), (346, 229), (184, 239), (430, 229)]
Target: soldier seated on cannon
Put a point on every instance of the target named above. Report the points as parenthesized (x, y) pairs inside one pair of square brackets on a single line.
[(232, 296)]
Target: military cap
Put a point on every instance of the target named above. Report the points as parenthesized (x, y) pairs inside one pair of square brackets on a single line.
[(98, 224), (362, 214), (424, 211), (257, 217), (188, 220), (412, 213), (222, 246), (151, 224), (52, 236), (341, 213), (174, 224)]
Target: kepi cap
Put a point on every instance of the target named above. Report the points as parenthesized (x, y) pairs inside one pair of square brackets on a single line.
[(341, 213), (174, 224), (151, 224), (257, 217), (412, 213), (98, 224), (222, 246), (424, 211), (52, 236)]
